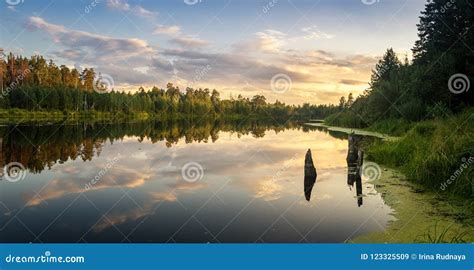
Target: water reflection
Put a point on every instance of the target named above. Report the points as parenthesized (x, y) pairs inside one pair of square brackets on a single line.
[(39, 147), (355, 158), (250, 190), (309, 175)]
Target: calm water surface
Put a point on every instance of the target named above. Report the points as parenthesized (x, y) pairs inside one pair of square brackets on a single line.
[(124, 183)]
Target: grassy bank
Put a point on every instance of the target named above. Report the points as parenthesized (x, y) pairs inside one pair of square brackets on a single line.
[(19, 116), (420, 217), (392, 127), (438, 153)]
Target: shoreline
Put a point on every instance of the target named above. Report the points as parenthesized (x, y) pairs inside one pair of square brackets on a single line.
[(355, 131), (19, 116), (421, 216)]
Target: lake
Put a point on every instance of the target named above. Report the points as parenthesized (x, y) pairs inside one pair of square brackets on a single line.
[(167, 182)]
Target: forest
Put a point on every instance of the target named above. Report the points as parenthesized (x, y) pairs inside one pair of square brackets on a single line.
[(36, 84), (71, 142), (426, 102), (435, 83), (403, 89)]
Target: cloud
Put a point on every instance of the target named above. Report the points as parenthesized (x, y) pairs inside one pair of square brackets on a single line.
[(88, 49), (246, 69), (139, 10), (178, 38), (118, 4), (117, 57), (58, 188), (313, 33), (167, 30), (148, 207), (268, 41), (353, 82), (224, 67), (95, 45), (189, 42), (125, 7)]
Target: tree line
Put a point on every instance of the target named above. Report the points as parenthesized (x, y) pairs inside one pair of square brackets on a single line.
[(434, 84), (60, 143), (37, 84)]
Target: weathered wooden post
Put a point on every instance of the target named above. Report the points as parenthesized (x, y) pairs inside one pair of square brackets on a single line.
[(2, 160), (309, 175)]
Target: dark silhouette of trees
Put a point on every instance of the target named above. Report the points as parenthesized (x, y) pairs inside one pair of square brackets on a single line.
[(420, 90), (37, 85)]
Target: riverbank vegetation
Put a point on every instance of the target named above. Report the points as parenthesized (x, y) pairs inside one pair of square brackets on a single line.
[(420, 217), (426, 101), (434, 153), (35, 87), (434, 84)]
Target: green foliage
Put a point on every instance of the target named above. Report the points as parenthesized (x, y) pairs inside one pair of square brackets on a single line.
[(393, 127), (85, 139), (435, 235), (419, 90), (345, 118), (35, 85), (432, 152)]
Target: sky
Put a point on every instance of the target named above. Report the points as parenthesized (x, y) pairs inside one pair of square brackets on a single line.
[(296, 51)]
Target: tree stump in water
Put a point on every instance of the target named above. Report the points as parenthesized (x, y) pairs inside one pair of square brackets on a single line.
[(309, 175), (2, 161)]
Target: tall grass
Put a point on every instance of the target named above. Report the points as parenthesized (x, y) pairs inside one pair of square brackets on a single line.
[(434, 151), (345, 119), (393, 127), (435, 235)]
